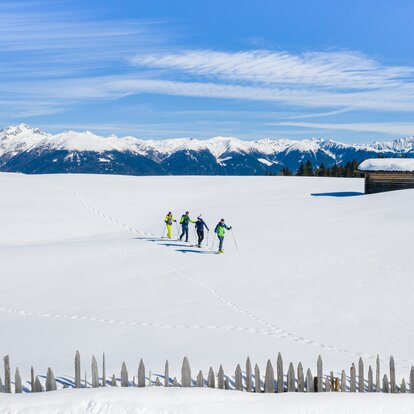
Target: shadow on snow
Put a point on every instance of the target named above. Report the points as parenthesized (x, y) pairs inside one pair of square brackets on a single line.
[(338, 194)]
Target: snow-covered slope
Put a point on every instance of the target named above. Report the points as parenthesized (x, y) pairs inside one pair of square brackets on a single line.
[(158, 400), (29, 150), (318, 271)]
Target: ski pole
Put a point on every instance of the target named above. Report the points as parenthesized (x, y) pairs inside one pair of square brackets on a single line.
[(234, 239), (212, 246), (163, 232), (208, 232), (178, 230)]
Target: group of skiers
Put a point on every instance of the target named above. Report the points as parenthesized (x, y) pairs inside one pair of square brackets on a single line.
[(200, 224)]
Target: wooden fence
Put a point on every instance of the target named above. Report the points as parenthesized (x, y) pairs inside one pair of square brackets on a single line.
[(293, 380)]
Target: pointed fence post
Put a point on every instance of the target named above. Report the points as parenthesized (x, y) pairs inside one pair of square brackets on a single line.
[(226, 383), (412, 380), (403, 388), (257, 386), (38, 385), (220, 378), (211, 379), (186, 373), (343, 381), (32, 379), (238, 378), (309, 381), (269, 384), (124, 375), (279, 369), (17, 382), (175, 382), (94, 369), (352, 381), (77, 370), (7, 375), (158, 382), (319, 373), (291, 381), (50, 381), (393, 388), (103, 370), (301, 380), (361, 381), (166, 374), (370, 380), (1, 385), (328, 384), (385, 384), (378, 374), (113, 381), (141, 374), (200, 380), (249, 382)]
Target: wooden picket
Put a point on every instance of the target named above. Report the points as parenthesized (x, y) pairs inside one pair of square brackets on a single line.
[(269, 384), (17, 382), (238, 378), (50, 381), (211, 379), (186, 373), (279, 368), (220, 378), (301, 382), (249, 383), (257, 386)]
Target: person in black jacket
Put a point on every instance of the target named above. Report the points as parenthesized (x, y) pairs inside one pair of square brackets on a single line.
[(199, 225)]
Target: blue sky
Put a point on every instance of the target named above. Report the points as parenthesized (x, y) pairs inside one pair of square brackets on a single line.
[(251, 69)]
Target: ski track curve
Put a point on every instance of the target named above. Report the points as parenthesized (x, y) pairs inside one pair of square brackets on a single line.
[(273, 330)]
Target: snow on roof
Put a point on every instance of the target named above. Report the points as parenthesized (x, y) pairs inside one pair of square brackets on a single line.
[(388, 164)]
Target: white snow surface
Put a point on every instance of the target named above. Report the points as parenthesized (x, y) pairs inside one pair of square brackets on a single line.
[(388, 164), (157, 400), (320, 269)]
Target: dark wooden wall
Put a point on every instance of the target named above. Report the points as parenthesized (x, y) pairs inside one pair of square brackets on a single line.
[(378, 182)]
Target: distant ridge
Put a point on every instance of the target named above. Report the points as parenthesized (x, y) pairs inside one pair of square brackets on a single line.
[(32, 151)]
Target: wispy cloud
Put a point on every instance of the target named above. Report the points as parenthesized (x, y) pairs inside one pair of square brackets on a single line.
[(114, 87), (340, 70)]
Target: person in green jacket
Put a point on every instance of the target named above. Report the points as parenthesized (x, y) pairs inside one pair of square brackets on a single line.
[(184, 221), (220, 230)]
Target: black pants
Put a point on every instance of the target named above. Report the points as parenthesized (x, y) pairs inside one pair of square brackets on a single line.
[(200, 235)]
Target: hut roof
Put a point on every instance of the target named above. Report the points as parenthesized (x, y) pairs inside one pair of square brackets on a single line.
[(388, 164)]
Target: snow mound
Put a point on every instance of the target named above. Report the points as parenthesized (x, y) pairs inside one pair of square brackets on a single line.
[(388, 164)]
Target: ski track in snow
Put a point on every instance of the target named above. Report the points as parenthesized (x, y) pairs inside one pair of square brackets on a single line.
[(273, 331), (24, 312)]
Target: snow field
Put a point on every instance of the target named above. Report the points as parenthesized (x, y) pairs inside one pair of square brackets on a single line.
[(318, 271), (157, 400)]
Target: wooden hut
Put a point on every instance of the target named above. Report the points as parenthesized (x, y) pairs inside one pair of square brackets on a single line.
[(387, 174)]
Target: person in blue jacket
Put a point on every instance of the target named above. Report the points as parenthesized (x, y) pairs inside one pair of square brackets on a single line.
[(199, 225), (184, 221)]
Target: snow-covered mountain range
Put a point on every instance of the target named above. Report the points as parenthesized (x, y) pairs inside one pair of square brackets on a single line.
[(33, 151)]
